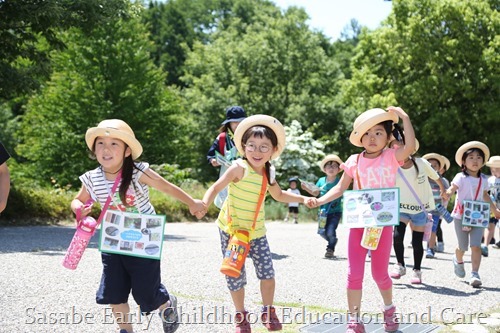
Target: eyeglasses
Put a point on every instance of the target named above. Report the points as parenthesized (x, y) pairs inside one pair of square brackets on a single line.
[(252, 147), (331, 165)]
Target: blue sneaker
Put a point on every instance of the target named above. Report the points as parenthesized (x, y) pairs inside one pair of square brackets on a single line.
[(170, 316), (430, 253), (459, 268)]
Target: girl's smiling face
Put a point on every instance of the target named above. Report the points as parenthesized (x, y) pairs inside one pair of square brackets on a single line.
[(375, 139), (110, 153), (258, 151)]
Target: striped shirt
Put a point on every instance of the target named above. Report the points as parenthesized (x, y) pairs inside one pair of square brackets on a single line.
[(137, 195), (242, 202)]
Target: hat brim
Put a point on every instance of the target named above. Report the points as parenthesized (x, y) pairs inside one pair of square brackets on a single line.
[(372, 118), (469, 145), (328, 158), (236, 120), (263, 120), (447, 163), (493, 162), (132, 142), (437, 157)]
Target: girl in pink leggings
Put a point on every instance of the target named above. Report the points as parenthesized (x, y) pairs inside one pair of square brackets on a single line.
[(375, 167)]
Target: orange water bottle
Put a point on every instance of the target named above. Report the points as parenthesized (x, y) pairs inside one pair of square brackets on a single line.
[(236, 253)]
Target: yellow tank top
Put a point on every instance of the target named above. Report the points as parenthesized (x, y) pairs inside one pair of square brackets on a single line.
[(241, 203)]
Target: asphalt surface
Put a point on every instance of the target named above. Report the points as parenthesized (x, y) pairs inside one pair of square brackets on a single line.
[(38, 295)]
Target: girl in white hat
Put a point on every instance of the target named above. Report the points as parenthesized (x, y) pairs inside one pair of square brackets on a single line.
[(259, 139), (115, 147), (375, 167), (494, 187), (472, 185)]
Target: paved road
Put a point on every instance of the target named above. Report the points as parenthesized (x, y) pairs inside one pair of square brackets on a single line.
[(38, 295)]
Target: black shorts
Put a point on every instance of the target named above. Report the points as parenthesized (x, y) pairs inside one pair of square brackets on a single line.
[(293, 209), (122, 274)]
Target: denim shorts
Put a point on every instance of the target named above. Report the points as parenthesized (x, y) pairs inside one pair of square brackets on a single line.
[(124, 274), (418, 219)]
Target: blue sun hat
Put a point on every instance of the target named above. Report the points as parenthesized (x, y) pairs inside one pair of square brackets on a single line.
[(234, 114)]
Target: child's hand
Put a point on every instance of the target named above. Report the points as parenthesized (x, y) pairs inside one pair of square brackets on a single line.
[(397, 110), (311, 202), (199, 206)]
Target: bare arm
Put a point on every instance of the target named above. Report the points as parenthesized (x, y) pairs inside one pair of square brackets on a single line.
[(153, 179), (449, 192), (402, 153), (79, 201), (313, 193), (233, 174), (284, 196), (335, 192), (4, 185), (493, 207)]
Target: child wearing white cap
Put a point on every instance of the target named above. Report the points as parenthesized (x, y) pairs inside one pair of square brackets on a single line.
[(470, 184)]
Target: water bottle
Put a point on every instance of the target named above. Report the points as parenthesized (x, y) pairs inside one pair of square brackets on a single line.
[(236, 253), (444, 213), (428, 228), (84, 231)]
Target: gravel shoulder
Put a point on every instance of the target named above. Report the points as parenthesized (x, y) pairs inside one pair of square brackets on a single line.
[(38, 295)]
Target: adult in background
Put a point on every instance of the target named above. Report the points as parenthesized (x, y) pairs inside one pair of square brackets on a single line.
[(223, 150)]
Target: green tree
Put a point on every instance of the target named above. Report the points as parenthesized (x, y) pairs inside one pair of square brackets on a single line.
[(108, 75), (276, 65), (24, 61), (440, 61)]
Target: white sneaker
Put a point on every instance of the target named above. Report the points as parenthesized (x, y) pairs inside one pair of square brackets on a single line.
[(417, 277), (397, 271), (475, 280)]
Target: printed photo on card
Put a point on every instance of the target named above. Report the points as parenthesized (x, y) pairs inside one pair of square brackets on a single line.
[(476, 214), (371, 207)]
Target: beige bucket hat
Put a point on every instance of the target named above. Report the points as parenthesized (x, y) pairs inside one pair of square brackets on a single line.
[(328, 158), (262, 120), (114, 128), (493, 162), (367, 120), (437, 157), (469, 145), (447, 163)]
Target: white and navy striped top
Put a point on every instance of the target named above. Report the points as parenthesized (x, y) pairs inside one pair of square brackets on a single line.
[(137, 194)]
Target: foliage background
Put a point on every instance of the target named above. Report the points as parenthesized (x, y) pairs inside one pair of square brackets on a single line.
[(170, 68)]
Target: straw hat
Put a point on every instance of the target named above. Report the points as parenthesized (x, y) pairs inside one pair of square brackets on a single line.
[(447, 163), (469, 145), (329, 158), (114, 128), (367, 120), (437, 157), (493, 162), (261, 120)]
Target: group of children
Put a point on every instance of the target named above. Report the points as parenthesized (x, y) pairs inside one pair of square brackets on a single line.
[(387, 160)]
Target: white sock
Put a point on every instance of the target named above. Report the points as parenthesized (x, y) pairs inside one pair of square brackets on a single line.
[(387, 307)]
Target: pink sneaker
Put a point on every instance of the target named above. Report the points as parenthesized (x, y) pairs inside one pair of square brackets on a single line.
[(242, 324), (390, 321), (355, 327)]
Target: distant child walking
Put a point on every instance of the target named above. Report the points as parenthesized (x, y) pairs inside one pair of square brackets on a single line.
[(416, 200), (293, 207), (494, 190), (259, 139), (116, 148), (472, 185), (375, 167), (331, 211)]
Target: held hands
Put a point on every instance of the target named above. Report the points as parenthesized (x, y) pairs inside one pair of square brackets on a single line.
[(198, 209), (311, 202)]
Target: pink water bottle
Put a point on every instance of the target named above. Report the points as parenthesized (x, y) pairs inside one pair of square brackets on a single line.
[(84, 231)]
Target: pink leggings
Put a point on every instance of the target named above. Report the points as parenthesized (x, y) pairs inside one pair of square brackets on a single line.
[(356, 256)]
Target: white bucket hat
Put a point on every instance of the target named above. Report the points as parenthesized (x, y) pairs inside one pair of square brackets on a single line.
[(469, 145), (367, 120), (330, 158), (493, 162)]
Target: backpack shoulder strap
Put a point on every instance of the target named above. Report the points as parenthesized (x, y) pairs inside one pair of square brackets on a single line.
[(222, 142)]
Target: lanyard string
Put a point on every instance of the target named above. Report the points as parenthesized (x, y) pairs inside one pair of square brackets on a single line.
[(478, 187)]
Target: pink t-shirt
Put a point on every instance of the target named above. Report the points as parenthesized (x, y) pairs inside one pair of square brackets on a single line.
[(467, 187), (378, 172)]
